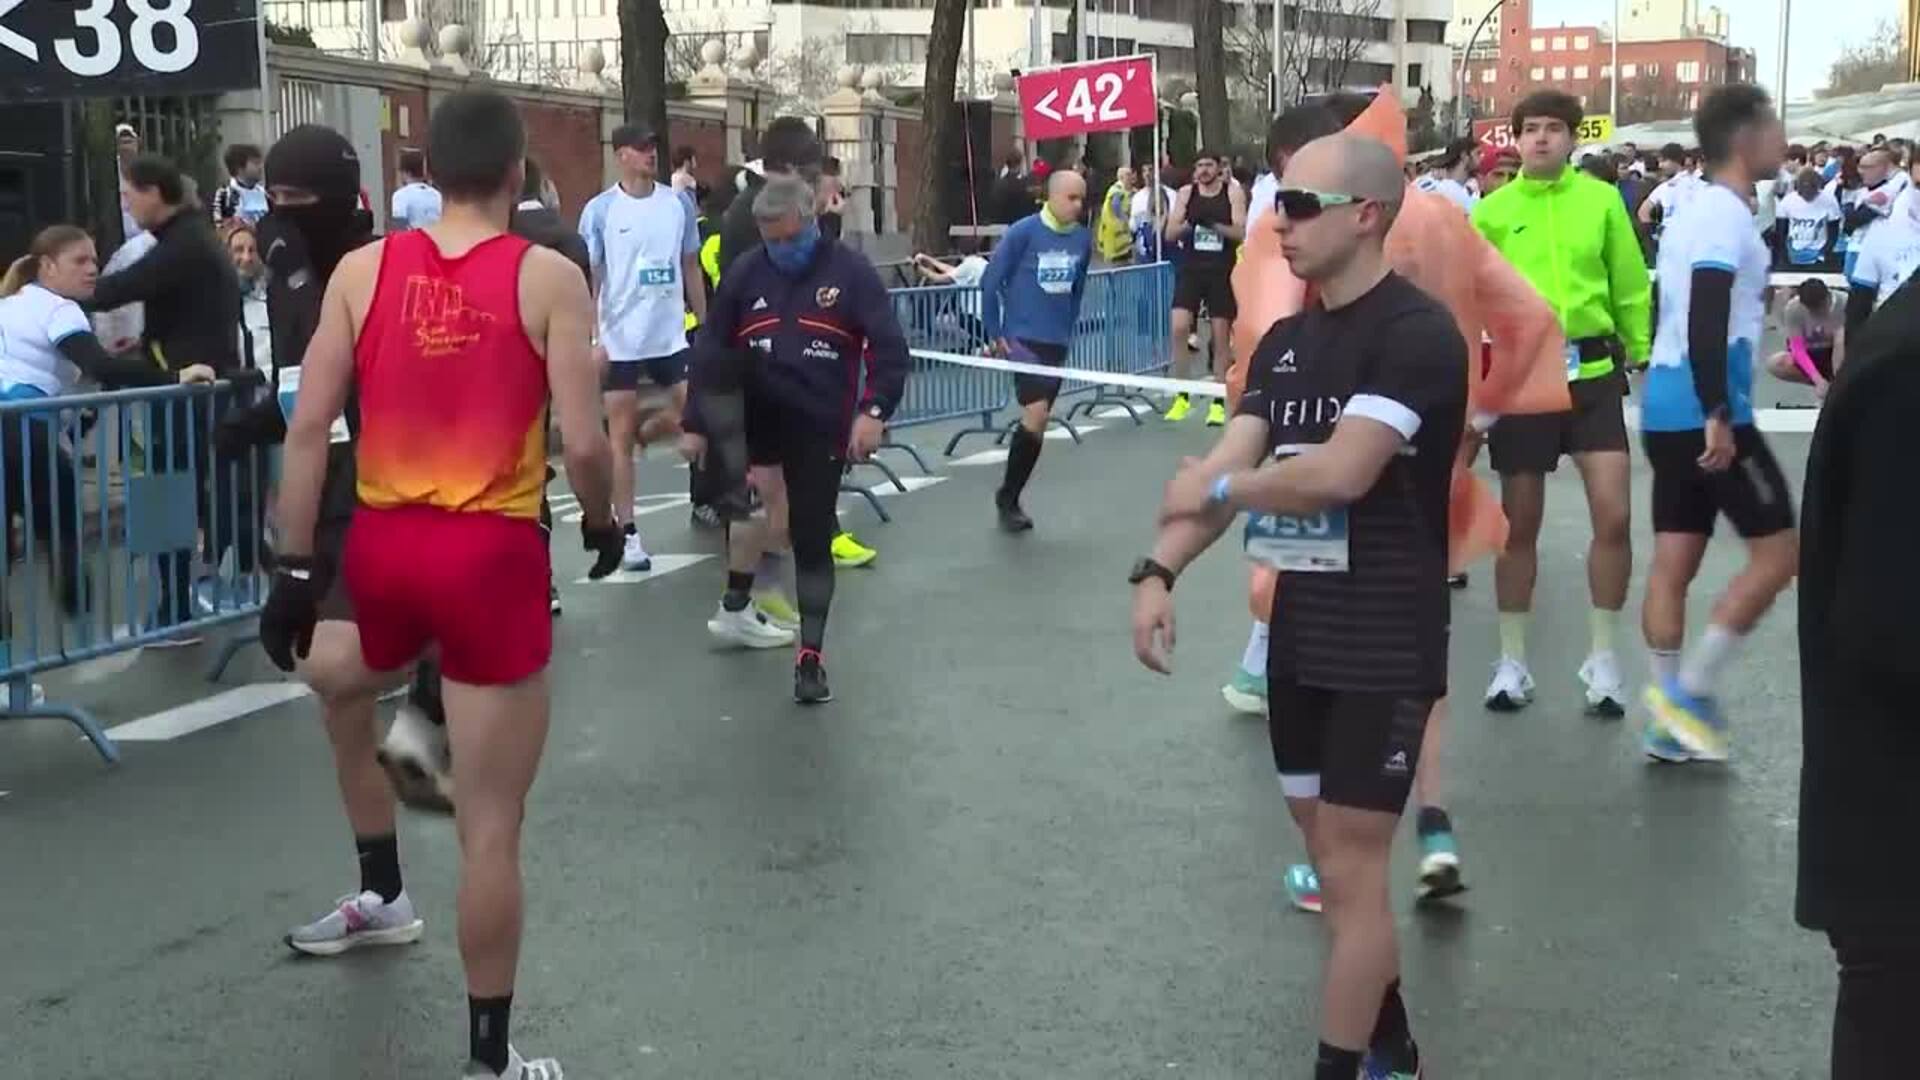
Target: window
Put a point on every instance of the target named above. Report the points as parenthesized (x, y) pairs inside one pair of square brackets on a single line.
[(393, 10), (1559, 73), (1606, 71), (1583, 101), (1579, 71), (1559, 43), (1627, 71), (1487, 75), (1582, 41), (1539, 44), (1424, 31), (887, 48), (1537, 74), (1414, 73), (1693, 99), (1652, 69), (1687, 71)]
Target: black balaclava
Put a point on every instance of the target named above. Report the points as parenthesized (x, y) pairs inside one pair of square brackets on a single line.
[(320, 160)]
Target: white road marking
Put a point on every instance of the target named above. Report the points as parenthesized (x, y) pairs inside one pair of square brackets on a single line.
[(884, 488), (662, 566), (981, 457), (642, 506), (1062, 433), (207, 712)]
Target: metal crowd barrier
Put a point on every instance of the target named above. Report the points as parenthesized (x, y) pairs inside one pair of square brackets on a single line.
[(124, 529)]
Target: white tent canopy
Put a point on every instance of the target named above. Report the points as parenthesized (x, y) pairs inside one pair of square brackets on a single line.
[(1893, 111)]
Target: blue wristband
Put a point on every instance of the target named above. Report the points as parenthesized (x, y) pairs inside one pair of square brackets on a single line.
[(1218, 493)]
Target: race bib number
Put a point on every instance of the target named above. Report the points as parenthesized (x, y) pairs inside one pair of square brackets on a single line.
[(1312, 544), (1056, 272), (655, 274), (1205, 239), (289, 391), (1573, 362)]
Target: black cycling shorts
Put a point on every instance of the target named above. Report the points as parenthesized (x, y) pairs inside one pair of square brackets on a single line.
[(1597, 423), (1345, 747), (1210, 284), (664, 372), (1028, 389), (1752, 492)]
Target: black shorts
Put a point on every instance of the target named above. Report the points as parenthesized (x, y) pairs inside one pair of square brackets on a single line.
[(664, 372), (1028, 389), (1205, 283), (1347, 748), (1597, 423), (1752, 492)]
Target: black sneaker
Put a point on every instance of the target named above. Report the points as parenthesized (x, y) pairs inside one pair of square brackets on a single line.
[(1457, 581), (810, 680), (553, 600), (706, 516), (1012, 518)]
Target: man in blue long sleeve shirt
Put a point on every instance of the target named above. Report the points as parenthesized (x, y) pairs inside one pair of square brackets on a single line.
[(1029, 301)]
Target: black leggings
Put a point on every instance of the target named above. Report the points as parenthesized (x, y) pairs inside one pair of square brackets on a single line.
[(1873, 1018), (812, 467)]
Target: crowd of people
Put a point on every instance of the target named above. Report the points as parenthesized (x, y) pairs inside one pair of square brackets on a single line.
[(729, 321)]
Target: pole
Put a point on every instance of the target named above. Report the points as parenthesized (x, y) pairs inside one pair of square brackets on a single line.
[(1153, 192), (1460, 105), (370, 25), (973, 60), (1278, 93), (1034, 56), (1780, 86), (1613, 84)]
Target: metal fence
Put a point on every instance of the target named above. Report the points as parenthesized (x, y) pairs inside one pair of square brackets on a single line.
[(124, 528)]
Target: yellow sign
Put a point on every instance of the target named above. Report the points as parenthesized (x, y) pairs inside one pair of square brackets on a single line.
[(1594, 129)]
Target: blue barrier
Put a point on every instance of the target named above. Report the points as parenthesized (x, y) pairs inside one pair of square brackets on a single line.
[(124, 529)]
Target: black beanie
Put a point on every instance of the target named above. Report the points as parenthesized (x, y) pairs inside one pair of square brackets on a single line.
[(317, 159)]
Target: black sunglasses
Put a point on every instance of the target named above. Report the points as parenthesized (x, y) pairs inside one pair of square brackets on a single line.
[(1305, 204)]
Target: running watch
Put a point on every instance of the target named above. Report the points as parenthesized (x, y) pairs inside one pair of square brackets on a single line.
[(1147, 568)]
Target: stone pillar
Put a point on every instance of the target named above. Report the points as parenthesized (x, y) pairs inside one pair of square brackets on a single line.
[(737, 93), (1006, 110), (244, 116), (855, 135)]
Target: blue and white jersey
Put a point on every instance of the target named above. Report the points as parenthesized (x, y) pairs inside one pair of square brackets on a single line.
[(415, 206), (1806, 223), (1715, 232), (33, 323), (637, 243), (1891, 253)]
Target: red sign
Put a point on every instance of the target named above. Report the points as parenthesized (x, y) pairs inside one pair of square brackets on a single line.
[(1493, 132), (1102, 95)]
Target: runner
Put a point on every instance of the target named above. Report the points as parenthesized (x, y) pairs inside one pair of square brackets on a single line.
[(1885, 259), (779, 364), (1708, 458), (1359, 402), (1812, 323), (1569, 235), (1029, 302), (1808, 224), (453, 467), (1447, 173), (646, 271), (1676, 189), (416, 204), (1210, 217)]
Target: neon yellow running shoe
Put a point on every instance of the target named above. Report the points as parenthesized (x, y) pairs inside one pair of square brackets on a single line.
[(777, 608), (1217, 414), (1182, 405), (849, 552)]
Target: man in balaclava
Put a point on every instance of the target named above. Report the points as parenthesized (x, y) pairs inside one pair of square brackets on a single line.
[(313, 183)]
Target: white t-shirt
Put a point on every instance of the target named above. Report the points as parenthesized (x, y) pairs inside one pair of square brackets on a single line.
[(1674, 194), (1806, 223), (1716, 231), (33, 323), (968, 272), (1881, 199), (1889, 256), (637, 244), (1448, 186), (1260, 200), (415, 206)]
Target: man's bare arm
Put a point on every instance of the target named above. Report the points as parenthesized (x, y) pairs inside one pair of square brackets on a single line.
[(1335, 473), (1237, 202), (563, 316), (1181, 540), (326, 378)]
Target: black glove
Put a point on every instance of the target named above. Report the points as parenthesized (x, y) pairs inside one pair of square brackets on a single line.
[(292, 607), (244, 427), (607, 543)]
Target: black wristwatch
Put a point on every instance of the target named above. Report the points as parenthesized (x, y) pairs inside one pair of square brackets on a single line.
[(1147, 568), (876, 412)]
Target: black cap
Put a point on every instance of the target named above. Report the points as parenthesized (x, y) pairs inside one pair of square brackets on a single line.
[(634, 137), (317, 159)]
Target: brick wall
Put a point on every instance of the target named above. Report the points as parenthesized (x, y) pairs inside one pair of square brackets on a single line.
[(908, 148), (565, 140), (406, 128), (709, 141)]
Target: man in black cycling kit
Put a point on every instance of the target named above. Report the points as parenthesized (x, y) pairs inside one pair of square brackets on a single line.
[(1342, 451), (1210, 216)]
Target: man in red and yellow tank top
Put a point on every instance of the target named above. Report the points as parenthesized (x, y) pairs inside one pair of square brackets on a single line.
[(454, 338)]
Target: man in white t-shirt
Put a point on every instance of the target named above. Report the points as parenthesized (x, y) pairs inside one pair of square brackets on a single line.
[(1674, 193), (644, 240), (1886, 259), (417, 204), (1447, 173), (1808, 222), (965, 306)]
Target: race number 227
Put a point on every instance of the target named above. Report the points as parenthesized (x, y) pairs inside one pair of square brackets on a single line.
[(161, 37)]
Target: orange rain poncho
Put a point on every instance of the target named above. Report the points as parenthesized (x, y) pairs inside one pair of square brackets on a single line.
[(1433, 245)]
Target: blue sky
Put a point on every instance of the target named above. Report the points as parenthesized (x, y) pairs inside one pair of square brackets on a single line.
[(1815, 36)]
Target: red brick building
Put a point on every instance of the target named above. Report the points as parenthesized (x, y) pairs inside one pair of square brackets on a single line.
[(1660, 80)]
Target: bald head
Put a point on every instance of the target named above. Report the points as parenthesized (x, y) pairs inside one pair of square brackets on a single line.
[(1351, 165), (1066, 194)]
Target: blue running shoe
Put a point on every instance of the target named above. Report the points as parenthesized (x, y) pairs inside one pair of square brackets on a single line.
[(1690, 720), (1660, 746), (1439, 866), (1303, 887), (1372, 1068)]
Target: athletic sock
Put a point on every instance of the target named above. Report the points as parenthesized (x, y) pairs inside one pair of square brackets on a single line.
[(1665, 664), (1333, 1063), (1601, 623), (1513, 635), (739, 590), (1023, 452), (1254, 660), (1392, 1040), (1432, 820), (487, 1020), (379, 865), (1700, 670)]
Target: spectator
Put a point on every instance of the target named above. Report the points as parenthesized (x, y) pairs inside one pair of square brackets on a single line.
[(417, 204), (686, 167), (833, 198), (1012, 198), (537, 217), (126, 147), (243, 198)]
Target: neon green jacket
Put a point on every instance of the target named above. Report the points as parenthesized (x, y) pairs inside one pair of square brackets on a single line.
[(1572, 240)]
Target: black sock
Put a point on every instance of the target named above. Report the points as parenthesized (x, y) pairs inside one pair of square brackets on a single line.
[(630, 530), (739, 590), (424, 694), (1333, 1063), (379, 865), (1433, 820), (1392, 1039), (1023, 453), (487, 1030)]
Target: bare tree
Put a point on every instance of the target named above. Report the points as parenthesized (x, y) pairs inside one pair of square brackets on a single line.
[(1322, 40), (936, 116), (643, 66), (1868, 65), (1210, 63)]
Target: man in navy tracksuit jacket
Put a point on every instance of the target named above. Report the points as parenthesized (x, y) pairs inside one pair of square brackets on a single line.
[(780, 360), (1029, 301)]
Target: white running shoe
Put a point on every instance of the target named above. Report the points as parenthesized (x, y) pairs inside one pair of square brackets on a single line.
[(635, 557), (1512, 687), (418, 761), (747, 627), (358, 921), (1605, 695), (518, 1068)]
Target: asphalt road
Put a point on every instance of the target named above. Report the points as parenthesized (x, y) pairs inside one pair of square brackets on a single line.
[(1005, 851)]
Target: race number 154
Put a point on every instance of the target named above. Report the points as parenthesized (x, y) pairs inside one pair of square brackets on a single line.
[(160, 36)]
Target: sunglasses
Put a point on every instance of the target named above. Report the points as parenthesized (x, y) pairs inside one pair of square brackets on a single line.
[(1305, 204)]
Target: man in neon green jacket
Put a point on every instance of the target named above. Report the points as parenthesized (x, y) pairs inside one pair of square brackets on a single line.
[(1569, 235)]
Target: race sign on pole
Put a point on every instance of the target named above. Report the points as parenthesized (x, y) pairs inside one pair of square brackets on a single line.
[(54, 49), (1593, 131), (1099, 95)]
